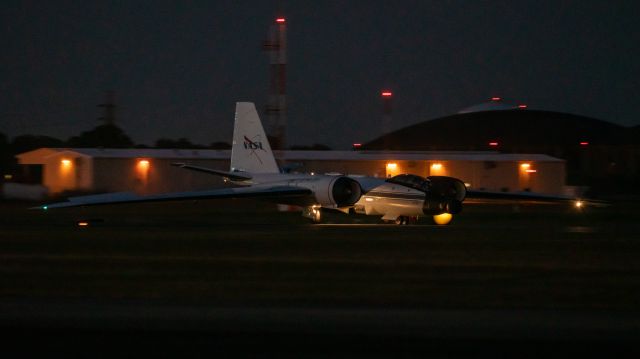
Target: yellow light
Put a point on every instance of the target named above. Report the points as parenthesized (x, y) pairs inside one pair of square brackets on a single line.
[(525, 166), (66, 163), (443, 218), (83, 224), (436, 166), (8, 177), (579, 204), (392, 166), (143, 164)]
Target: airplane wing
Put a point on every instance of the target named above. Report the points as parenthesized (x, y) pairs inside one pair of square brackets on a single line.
[(481, 197), (279, 194)]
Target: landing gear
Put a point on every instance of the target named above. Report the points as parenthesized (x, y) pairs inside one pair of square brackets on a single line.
[(405, 220), (313, 213)]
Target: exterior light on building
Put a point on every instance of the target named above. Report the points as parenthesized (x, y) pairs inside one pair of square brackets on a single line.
[(392, 166), (525, 166), (65, 163), (531, 171), (436, 166), (142, 167), (143, 164)]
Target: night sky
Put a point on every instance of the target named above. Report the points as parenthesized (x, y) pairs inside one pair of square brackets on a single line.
[(178, 67)]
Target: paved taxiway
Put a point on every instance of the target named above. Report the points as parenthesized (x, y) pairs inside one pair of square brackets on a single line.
[(531, 277)]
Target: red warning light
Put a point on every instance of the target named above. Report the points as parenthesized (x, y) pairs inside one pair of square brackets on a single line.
[(357, 146), (522, 107), (495, 98), (493, 144), (387, 94), (584, 143), (280, 20)]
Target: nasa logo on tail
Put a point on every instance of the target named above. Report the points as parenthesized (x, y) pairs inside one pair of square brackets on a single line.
[(253, 146)]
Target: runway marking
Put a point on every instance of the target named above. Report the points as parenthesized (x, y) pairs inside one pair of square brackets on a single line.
[(579, 229)]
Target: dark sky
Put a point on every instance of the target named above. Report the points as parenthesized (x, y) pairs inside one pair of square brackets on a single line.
[(178, 67)]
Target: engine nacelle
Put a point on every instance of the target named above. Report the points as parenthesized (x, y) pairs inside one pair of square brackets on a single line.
[(332, 191), (444, 195)]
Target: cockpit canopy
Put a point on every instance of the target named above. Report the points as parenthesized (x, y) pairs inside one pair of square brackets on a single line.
[(438, 186)]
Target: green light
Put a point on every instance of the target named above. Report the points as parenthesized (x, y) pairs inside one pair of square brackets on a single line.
[(45, 207)]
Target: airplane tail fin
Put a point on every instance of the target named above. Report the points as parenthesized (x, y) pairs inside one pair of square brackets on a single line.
[(250, 151)]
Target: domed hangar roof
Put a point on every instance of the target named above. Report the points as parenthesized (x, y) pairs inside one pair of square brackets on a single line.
[(514, 130)]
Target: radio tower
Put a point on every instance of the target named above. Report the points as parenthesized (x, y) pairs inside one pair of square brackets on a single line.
[(387, 111), (277, 104), (109, 106)]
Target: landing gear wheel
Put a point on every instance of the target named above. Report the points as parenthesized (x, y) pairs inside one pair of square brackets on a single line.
[(312, 213)]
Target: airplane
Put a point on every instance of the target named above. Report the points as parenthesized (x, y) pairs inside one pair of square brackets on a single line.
[(401, 199)]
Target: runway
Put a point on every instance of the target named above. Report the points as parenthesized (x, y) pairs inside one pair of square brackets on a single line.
[(200, 275)]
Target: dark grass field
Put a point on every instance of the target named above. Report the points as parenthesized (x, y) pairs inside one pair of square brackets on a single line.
[(239, 272)]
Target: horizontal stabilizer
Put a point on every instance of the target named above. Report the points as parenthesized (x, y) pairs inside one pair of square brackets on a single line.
[(235, 176)]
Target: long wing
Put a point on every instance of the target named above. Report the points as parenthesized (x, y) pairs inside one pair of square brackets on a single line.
[(479, 197), (279, 194)]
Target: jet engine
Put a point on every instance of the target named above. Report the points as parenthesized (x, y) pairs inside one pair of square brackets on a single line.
[(444, 195), (332, 191)]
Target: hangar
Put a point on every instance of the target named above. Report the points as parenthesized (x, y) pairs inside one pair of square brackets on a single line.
[(147, 171)]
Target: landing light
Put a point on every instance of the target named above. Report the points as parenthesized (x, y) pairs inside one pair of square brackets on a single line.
[(443, 218)]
